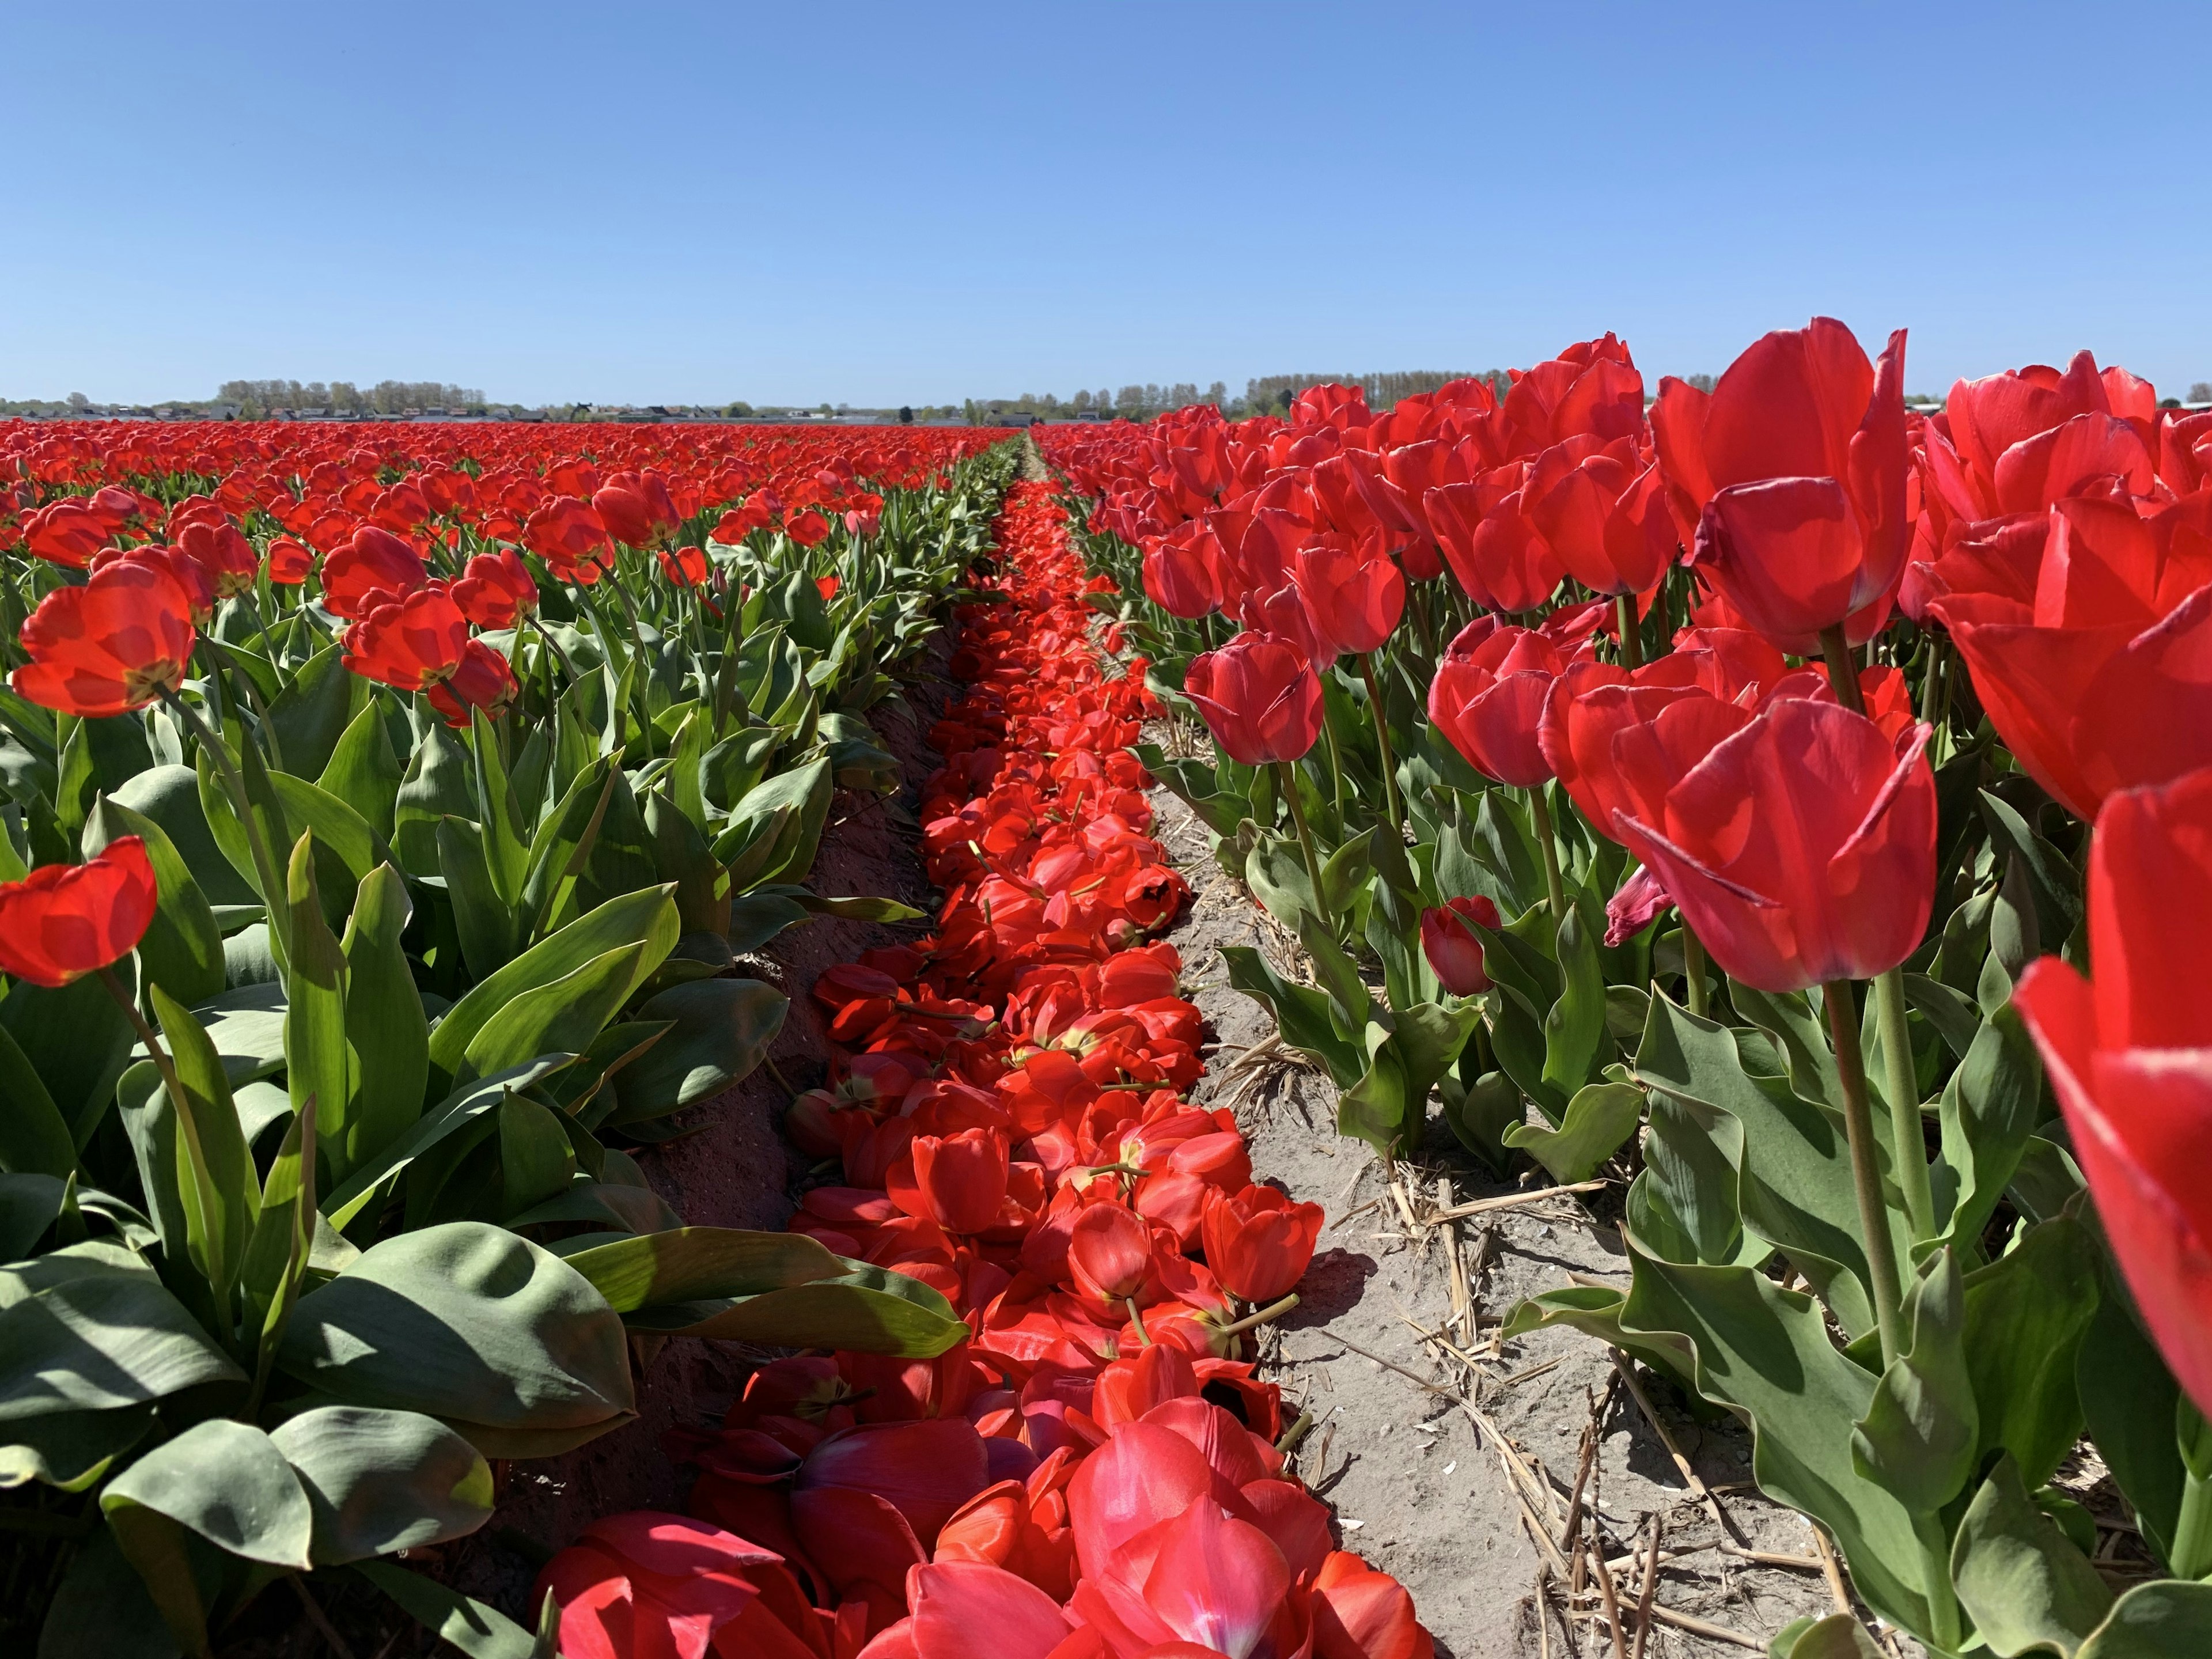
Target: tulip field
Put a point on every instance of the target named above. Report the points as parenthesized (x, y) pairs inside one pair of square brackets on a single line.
[(1774, 820)]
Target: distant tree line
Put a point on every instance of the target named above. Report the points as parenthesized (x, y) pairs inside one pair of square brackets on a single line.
[(343, 397)]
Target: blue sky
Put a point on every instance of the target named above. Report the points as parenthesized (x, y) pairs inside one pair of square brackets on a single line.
[(918, 203)]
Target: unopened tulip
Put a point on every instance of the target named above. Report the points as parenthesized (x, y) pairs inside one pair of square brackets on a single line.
[(2130, 1057), (1488, 699), (1258, 1242), (1802, 849), (1258, 697), (1454, 951)]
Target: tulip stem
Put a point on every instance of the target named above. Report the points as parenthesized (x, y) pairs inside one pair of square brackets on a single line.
[(1866, 1175), (1138, 1320), (1286, 774), (1422, 625), (1935, 1582), (274, 891), (1382, 737), (1843, 672), (1267, 1316), (1910, 1153), (1694, 969), (2192, 1531), (1632, 637), (1554, 888), (1335, 767)]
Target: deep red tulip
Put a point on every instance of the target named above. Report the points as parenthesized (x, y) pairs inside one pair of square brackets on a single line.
[(109, 647), (959, 1179), (925, 1469), (1258, 697), (685, 567), (636, 510), (1258, 1242), (808, 529), (2130, 1057), (374, 569), (2018, 441), (63, 921), (1488, 698), (1454, 951), (1802, 849), (1354, 596), (1361, 1613), (496, 590), (2086, 645), (1790, 478)]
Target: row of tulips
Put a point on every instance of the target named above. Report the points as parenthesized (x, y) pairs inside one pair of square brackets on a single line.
[(1701, 774), (385, 815), (1091, 1472)]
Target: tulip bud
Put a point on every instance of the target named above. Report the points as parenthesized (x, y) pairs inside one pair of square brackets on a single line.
[(1454, 953)]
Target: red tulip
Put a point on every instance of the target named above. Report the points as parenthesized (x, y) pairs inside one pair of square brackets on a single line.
[(1790, 476), (1182, 570), (189, 575), (1110, 1251), (2085, 645), (109, 647), (1619, 748), (496, 590), (925, 1469), (685, 567), (1453, 951), (1354, 598), (971, 1610), (1258, 1243), (374, 569), (1991, 450), (636, 510), (224, 553), (1802, 849), (1488, 696), (643, 1584), (959, 1181), (290, 563), (421, 643), (569, 536), (1258, 697), (67, 532), (63, 921), (2129, 1056), (1361, 1613), (1201, 1582), (1602, 512), (1493, 550)]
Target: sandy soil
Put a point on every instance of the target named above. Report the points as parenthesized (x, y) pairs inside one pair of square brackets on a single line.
[(1419, 1489)]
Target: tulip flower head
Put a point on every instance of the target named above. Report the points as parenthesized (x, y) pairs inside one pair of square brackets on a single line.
[(1258, 1242), (2129, 1056), (65, 921), (110, 647), (1801, 849), (1488, 699), (1258, 697), (1453, 950)]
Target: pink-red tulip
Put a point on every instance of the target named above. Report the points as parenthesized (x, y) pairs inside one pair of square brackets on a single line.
[(1354, 595)]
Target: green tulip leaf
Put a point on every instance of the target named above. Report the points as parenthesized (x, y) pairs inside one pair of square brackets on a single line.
[(1600, 1119), (383, 1480), (721, 1030), (2025, 1586)]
